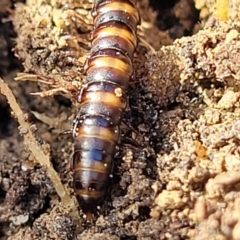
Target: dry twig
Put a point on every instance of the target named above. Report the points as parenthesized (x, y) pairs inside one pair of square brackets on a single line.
[(41, 157)]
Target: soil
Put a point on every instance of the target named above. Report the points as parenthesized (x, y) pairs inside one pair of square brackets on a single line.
[(176, 175)]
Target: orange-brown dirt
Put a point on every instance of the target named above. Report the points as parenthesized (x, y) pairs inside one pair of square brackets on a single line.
[(176, 175)]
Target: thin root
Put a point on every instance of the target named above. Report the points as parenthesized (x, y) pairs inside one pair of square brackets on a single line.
[(51, 92)]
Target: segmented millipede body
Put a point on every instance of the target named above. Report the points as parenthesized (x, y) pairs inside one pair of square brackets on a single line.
[(108, 70)]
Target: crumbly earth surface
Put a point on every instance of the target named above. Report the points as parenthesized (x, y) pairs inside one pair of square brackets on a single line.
[(207, 9), (177, 172)]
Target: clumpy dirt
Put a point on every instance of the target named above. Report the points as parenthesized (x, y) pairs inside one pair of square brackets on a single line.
[(177, 172)]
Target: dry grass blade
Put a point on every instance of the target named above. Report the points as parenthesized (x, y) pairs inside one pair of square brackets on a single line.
[(222, 10)]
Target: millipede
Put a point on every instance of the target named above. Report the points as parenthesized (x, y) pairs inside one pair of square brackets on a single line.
[(108, 70)]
